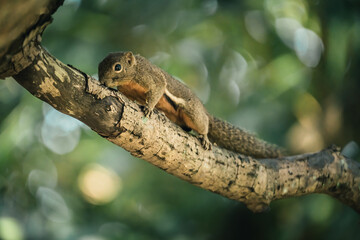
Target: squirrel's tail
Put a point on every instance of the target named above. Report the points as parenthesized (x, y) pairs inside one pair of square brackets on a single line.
[(238, 140)]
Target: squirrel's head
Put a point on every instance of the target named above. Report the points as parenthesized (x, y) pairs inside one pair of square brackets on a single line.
[(116, 67)]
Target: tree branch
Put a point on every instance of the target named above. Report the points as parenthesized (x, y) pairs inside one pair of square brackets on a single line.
[(160, 142)]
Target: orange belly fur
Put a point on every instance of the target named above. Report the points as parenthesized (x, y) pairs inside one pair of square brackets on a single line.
[(136, 92)]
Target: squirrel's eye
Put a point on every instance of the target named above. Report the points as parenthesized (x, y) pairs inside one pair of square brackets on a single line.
[(117, 67)]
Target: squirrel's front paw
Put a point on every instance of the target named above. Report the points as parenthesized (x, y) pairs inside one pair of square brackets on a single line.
[(147, 111), (205, 142)]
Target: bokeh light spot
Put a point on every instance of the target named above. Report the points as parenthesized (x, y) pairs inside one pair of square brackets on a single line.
[(38, 178), (53, 205), (307, 110), (256, 26), (59, 132), (232, 73), (308, 47), (306, 43), (10, 229), (305, 136), (99, 185)]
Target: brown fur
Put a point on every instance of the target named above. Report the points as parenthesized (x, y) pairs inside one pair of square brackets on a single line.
[(146, 83)]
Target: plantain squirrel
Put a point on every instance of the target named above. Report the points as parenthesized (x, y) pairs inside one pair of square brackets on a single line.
[(140, 80)]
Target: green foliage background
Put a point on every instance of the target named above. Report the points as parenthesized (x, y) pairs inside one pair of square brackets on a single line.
[(241, 61)]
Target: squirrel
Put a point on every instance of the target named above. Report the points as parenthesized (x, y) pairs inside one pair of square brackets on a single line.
[(142, 81)]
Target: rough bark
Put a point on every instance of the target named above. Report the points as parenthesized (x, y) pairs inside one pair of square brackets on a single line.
[(255, 182)]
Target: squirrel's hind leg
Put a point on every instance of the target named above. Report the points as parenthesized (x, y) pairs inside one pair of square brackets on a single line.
[(205, 142), (197, 120)]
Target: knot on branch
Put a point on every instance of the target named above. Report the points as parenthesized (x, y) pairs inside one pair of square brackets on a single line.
[(258, 207), (334, 148)]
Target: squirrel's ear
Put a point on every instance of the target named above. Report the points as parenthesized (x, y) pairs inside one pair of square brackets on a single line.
[(130, 58)]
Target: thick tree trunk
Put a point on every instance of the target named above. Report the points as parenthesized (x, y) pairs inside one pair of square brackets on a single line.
[(22, 23), (157, 140)]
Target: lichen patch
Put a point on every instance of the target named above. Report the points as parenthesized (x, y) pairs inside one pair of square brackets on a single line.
[(47, 87), (61, 74)]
